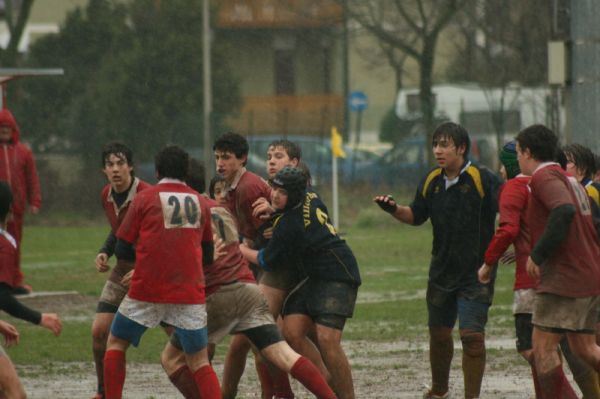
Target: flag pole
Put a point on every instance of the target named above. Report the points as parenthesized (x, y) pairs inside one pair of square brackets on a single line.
[(334, 190), (336, 151)]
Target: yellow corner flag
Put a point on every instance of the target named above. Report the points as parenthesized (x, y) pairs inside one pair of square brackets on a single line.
[(336, 143)]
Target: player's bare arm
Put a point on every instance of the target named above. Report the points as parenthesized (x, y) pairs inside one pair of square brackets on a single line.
[(533, 270), (484, 273), (389, 205), (52, 322), (250, 254), (126, 280), (10, 333), (102, 262), (261, 208)]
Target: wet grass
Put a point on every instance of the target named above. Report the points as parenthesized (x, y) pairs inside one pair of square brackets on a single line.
[(393, 259)]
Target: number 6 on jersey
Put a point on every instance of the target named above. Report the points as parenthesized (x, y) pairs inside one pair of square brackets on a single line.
[(180, 210)]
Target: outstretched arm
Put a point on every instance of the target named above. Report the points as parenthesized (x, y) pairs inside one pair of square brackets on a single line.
[(13, 307), (400, 212)]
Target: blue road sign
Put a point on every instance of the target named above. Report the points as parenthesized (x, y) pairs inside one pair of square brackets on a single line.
[(358, 101)]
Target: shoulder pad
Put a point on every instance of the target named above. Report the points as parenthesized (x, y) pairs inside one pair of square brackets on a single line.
[(432, 175), (476, 176), (593, 193)]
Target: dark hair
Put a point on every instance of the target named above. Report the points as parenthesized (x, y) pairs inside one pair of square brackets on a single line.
[(5, 200), (234, 143), (195, 175), (456, 132), (303, 166), (582, 157), (293, 150), (561, 158), (119, 150), (172, 162), (213, 183), (541, 142)]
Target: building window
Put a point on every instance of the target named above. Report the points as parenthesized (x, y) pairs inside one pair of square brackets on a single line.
[(284, 72)]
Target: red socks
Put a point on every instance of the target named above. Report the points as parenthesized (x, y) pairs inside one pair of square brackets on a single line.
[(207, 383), (281, 383), (309, 376), (554, 384), (266, 383), (183, 380), (536, 381), (114, 374)]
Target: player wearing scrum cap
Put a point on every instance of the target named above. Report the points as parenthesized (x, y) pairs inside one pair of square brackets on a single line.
[(327, 296)]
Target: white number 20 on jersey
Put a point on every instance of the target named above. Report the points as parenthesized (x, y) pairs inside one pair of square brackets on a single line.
[(180, 210)]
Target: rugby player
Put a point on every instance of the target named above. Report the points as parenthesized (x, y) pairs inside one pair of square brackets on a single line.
[(461, 201), (169, 224), (235, 305), (116, 197), (326, 297), (564, 257)]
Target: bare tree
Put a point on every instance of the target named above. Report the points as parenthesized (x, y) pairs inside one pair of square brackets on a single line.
[(16, 14), (413, 28), (503, 43)]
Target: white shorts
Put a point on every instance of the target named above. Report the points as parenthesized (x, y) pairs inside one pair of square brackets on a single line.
[(523, 300), (150, 314)]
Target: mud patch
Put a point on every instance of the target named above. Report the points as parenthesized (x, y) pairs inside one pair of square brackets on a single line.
[(394, 369)]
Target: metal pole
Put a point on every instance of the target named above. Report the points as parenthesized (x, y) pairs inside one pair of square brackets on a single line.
[(207, 90), (345, 72), (334, 190)]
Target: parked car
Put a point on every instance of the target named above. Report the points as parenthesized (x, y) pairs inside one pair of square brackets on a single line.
[(316, 153), (406, 162)]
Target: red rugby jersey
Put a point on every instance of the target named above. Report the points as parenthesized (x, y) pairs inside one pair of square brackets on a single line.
[(513, 229), (232, 266), (114, 214), (246, 189), (9, 259), (167, 224), (573, 269)]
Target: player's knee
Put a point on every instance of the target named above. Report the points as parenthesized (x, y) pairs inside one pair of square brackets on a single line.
[(172, 359), (100, 333), (293, 336), (473, 344), (440, 335)]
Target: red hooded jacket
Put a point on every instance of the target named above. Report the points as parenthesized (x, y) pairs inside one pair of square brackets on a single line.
[(17, 167)]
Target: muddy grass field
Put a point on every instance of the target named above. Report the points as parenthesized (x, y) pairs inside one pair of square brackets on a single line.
[(394, 369)]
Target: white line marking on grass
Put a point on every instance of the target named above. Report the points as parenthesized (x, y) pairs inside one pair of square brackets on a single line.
[(46, 265), (38, 294)]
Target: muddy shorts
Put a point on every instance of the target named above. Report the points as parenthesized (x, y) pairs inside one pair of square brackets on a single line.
[(445, 307), (523, 301), (285, 278), (113, 292), (559, 314), (111, 297), (328, 303), (150, 314), (235, 308)]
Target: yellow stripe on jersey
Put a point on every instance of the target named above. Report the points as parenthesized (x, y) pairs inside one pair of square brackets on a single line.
[(476, 176), (276, 219), (432, 175), (593, 193)]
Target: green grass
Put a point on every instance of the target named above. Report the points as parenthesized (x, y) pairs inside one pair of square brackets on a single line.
[(393, 260)]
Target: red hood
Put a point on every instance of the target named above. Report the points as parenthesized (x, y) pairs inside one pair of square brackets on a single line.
[(7, 118)]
